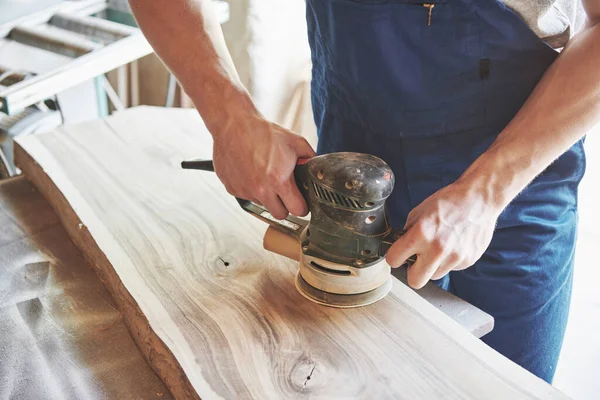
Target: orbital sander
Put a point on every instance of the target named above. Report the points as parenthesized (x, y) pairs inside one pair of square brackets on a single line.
[(342, 248)]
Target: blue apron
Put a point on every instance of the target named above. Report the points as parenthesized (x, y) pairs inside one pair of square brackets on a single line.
[(428, 88)]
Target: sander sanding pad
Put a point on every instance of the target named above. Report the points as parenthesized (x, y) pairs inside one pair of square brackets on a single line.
[(342, 300)]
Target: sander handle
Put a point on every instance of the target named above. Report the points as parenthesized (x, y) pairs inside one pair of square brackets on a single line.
[(203, 165), (292, 226)]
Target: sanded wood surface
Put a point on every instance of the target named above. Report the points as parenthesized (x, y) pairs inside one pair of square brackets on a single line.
[(215, 314), (476, 321)]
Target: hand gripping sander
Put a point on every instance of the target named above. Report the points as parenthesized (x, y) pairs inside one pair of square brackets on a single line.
[(342, 247)]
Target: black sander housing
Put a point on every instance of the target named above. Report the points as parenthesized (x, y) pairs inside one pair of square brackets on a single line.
[(345, 241), (346, 194)]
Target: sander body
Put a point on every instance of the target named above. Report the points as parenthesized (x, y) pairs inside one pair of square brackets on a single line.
[(342, 247)]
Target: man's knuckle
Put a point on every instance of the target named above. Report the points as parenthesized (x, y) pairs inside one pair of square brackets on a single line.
[(439, 245), (285, 189), (418, 232), (260, 191), (276, 178), (455, 257), (419, 229)]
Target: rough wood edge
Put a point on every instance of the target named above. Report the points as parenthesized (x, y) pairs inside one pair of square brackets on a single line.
[(154, 350)]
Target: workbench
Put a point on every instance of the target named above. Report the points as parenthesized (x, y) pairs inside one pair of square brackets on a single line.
[(60, 331)]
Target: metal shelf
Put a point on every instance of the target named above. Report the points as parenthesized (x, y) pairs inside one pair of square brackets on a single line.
[(71, 29)]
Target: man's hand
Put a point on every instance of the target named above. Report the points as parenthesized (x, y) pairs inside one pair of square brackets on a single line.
[(255, 160), (449, 230)]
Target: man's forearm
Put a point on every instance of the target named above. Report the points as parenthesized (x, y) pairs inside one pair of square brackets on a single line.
[(564, 106), (187, 36)]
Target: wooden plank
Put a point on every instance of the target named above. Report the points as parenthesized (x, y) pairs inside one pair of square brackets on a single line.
[(467, 315), (217, 316)]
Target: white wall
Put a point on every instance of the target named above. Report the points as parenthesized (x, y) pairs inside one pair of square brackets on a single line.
[(578, 369), (268, 42)]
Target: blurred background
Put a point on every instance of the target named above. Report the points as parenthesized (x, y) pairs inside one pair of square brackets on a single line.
[(65, 62)]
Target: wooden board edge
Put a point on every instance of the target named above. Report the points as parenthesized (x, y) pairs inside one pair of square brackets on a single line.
[(154, 350)]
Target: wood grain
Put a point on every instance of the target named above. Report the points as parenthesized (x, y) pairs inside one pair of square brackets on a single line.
[(216, 315)]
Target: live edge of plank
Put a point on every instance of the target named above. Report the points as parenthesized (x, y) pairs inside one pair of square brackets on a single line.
[(432, 355), (152, 347)]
